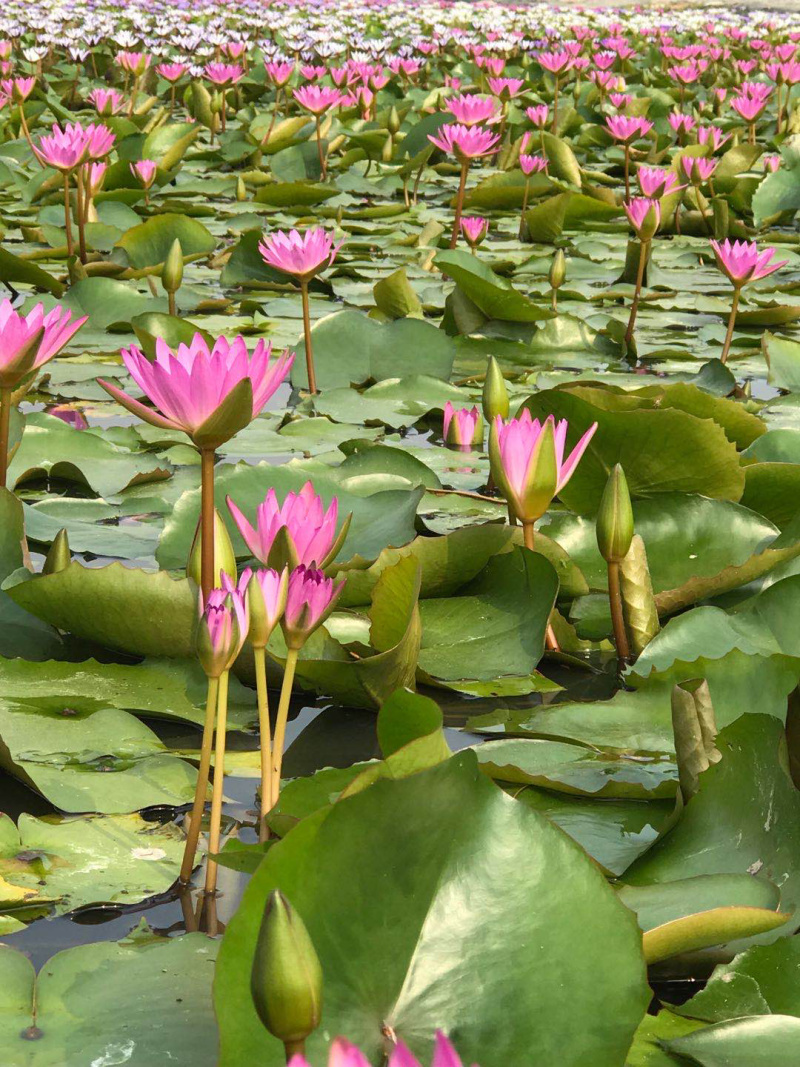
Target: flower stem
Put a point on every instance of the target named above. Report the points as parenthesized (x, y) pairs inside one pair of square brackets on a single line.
[(79, 199), (617, 617), (207, 459), (294, 1048), (68, 217), (643, 246), (731, 323), (5, 424), (171, 307), (23, 123), (525, 196), (280, 722), (219, 780), (554, 127), (550, 639), (260, 657), (312, 378), (462, 185), (322, 166), (627, 174), (201, 788)]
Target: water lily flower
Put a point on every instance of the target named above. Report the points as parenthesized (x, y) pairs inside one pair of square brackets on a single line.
[(475, 230), (172, 72), (628, 128), (307, 529), (222, 629), (145, 171), (742, 263), (656, 182), (465, 143), (505, 88), (27, 343), (462, 427), (538, 115), (318, 99), (344, 1054), (106, 101), (532, 164), (310, 599), (713, 136), (698, 169), (771, 162), (19, 89), (303, 256), (279, 73), (644, 215), (472, 110)]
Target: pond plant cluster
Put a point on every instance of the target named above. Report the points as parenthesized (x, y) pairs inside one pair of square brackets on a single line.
[(399, 535)]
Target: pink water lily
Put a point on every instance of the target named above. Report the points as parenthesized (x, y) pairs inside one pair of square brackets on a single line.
[(742, 262), (464, 142), (317, 98), (224, 74), (628, 128), (310, 599), (190, 385), (171, 72), (223, 627), (474, 229), (529, 475), (302, 255), (343, 1054), (532, 164), (106, 101), (644, 215), (472, 110), (28, 342), (462, 426), (279, 73), (145, 171), (264, 591), (656, 182), (538, 115), (698, 169), (310, 528)]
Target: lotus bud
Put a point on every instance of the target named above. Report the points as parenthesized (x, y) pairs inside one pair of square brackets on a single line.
[(393, 122), (220, 632), (265, 598), (558, 269), (615, 518), (224, 555), (172, 271), (241, 190), (286, 980), (495, 393), (695, 729), (59, 556), (638, 601)]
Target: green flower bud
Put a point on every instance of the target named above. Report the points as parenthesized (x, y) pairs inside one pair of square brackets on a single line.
[(495, 393), (59, 556), (393, 122), (172, 271), (615, 518), (286, 980), (224, 556), (558, 269), (241, 189)]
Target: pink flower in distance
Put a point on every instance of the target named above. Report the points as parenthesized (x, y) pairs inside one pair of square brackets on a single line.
[(171, 72), (106, 101), (19, 89), (462, 426), (518, 445), (555, 62), (681, 123), (317, 98), (471, 110), (94, 175), (771, 162), (311, 528), (311, 72), (135, 63), (310, 599), (656, 182), (644, 216), (302, 255), (188, 385), (713, 136), (279, 73), (532, 164), (224, 74), (742, 262), (474, 229), (465, 142), (697, 168), (505, 88), (145, 171), (748, 107), (620, 100), (628, 128), (538, 115), (27, 342), (100, 141)]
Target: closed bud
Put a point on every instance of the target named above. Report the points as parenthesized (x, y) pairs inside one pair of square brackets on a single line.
[(495, 393), (241, 190), (224, 555), (219, 636), (615, 518), (172, 271), (558, 269), (638, 601), (393, 122), (286, 980), (265, 600), (59, 556)]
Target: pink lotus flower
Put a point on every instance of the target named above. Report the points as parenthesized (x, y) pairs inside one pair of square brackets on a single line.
[(644, 216), (620, 100), (171, 72), (771, 162), (505, 88), (223, 626), (311, 72), (302, 255), (628, 128), (538, 115), (94, 175), (474, 229), (279, 73), (190, 385), (224, 74), (28, 342), (317, 98), (712, 135), (63, 149), (555, 62), (465, 142), (521, 469), (472, 110), (697, 169), (343, 1054), (742, 262), (656, 182), (680, 123), (264, 592), (310, 528), (100, 141), (135, 63), (462, 426), (748, 107), (532, 164), (310, 599), (19, 89), (145, 171), (106, 101)]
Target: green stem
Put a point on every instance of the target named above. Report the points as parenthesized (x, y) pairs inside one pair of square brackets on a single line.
[(171, 302), (207, 458), (260, 657), (731, 323), (529, 536), (627, 174), (462, 185), (323, 168), (617, 616), (312, 378), (524, 208), (554, 127), (643, 245), (219, 781), (201, 788), (79, 195), (68, 217), (5, 424), (280, 723)]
